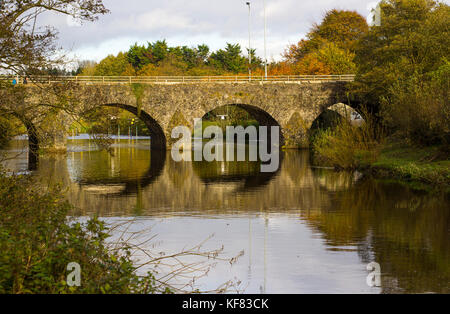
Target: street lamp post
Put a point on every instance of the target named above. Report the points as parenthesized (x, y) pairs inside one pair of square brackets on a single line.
[(249, 46), (265, 43)]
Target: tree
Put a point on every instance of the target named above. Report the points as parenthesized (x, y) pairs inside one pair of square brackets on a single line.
[(112, 65), (403, 69), (194, 57), (311, 65), (230, 59), (413, 39), (338, 60), (342, 28), (87, 66), (24, 49), (139, 56)]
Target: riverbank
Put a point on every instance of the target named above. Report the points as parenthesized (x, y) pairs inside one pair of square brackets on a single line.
[(428, 166)]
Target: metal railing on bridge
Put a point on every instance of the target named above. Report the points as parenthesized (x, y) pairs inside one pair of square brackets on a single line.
[(180, 79)]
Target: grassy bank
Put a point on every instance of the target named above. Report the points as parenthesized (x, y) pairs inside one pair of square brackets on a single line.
[(365, 148), (428, 165)]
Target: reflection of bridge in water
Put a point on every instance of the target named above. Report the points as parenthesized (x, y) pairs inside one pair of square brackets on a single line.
[(168, 186)]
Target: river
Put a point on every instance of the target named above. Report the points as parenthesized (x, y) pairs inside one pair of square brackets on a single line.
[(298, 230)]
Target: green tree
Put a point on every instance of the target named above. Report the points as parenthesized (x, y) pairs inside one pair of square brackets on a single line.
[(112, 65), (158, 50), (413, 39), (139, 56), (230, 59), (403, 70)]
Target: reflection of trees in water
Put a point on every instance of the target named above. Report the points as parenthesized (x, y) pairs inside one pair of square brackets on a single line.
[(404, 231)]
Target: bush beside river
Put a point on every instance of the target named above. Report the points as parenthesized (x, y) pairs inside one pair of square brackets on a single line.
[(38, 241)]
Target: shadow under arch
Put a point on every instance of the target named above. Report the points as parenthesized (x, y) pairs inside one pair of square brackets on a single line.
[(330, 116), (260, 115), (158, 139), (33, 139)]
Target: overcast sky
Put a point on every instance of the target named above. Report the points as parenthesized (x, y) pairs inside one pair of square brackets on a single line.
[(213, 22)]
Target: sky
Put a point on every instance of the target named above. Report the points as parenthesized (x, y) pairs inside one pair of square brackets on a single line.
[(194, 22)]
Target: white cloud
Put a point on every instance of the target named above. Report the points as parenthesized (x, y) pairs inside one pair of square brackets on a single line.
[(159, 19), (213, 22)]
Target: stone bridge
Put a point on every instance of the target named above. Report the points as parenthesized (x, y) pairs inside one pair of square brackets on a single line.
[(293, 106)]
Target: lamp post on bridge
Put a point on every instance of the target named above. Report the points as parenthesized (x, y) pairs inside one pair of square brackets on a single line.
[(265, 43), (249, 44)]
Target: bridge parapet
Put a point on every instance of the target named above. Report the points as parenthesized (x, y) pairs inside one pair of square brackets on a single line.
[(182, 79)]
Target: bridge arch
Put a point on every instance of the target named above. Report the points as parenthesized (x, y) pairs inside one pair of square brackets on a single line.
[(328, 116), (263, 117), (157, 137)]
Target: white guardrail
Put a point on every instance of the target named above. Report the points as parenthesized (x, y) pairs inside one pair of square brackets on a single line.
[(177, 79)]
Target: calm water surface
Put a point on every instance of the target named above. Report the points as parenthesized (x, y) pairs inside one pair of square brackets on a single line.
[(299, 230)]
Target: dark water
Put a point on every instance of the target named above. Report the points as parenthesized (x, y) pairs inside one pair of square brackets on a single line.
[(299, 230)]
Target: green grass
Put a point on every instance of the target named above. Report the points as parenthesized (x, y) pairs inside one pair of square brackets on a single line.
[(423, 164)]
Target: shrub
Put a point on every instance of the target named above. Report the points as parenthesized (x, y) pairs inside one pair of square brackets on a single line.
[(346, 146), (37, 243)]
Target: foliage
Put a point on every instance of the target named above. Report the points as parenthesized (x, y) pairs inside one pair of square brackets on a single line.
[(418, 108), (342, 28), (346, 146), (311, 65), (413, 39), (159, 59), (229, 59), (10, 127), (329, 46), (112, 65), (338, 60), (38, 242), (24, 49)]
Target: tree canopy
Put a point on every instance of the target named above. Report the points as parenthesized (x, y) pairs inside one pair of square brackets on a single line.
[(158, 58), (26, 49), (329, 46), (413, 39)]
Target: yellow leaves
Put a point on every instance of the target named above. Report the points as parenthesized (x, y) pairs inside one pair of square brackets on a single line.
[(311, 65)]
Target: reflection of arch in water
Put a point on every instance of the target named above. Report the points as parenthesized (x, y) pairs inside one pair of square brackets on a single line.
[(131, 186), (158, 139), (33, 139), (261, 116), (247, 172)]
